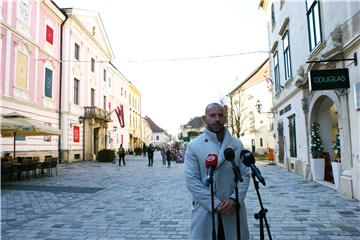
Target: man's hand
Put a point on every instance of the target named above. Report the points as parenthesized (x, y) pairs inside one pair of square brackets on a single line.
[(227, 207)]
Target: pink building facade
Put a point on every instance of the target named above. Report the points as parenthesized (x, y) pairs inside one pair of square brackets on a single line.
[(30, 69), (56, 67)]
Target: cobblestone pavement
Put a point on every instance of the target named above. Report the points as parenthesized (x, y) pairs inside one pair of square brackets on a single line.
[(89, 200)]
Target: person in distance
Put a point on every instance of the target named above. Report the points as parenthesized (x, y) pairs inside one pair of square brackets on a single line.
[(214, 140)]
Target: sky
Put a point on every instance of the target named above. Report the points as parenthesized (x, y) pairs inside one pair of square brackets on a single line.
[(182, 54)]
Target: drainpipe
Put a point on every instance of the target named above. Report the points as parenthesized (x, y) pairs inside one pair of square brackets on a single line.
[(60, 86)]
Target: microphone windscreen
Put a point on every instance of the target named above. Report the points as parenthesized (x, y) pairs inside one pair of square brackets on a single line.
[(247, 157), (229, 154), (211, 161)]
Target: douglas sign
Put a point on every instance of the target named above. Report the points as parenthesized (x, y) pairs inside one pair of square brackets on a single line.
[(329, 79)]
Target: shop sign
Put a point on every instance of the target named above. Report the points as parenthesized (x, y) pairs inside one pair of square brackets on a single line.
[(329, 79)]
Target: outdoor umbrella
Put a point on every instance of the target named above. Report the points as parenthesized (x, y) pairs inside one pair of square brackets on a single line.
[(15, 124)]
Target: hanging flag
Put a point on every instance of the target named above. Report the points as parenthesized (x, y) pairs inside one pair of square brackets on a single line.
[(269, 82), (119, 110)]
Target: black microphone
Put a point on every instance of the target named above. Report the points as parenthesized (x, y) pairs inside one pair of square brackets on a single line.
[(249, 160), (210, 164), (230, 156)]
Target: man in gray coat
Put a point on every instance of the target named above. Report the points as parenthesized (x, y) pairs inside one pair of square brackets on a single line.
[(215, 139)]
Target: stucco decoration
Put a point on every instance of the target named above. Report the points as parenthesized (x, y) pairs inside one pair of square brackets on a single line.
[(336, 36), (301, 77)]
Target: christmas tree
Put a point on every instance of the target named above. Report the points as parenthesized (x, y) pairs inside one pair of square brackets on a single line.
[(316, 142)]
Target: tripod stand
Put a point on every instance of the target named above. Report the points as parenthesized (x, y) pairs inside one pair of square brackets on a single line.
[(237, 177), (261, 215), (212, 209)]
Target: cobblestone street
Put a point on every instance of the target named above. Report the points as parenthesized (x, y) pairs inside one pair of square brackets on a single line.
[(90, 200)]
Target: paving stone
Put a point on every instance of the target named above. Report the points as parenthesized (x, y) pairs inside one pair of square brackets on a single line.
[(90, 200)]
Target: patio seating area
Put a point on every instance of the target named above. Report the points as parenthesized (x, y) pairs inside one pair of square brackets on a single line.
[(24, 168)]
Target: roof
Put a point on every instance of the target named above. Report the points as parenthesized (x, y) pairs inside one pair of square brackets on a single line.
[(250, 76), (196, 122), (153, 126)]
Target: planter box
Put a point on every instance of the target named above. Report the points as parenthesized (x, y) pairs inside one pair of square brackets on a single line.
[(317, 168), (336, 169)]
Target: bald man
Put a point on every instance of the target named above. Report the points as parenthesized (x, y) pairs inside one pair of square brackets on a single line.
[(214, 140)]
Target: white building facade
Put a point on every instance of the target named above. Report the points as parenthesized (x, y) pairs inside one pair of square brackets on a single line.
[(316, 35), (254, 127)]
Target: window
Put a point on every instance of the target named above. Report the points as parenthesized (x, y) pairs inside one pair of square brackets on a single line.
[(261, 142), (314, 25), (48, 82), (77, 52), (157, 138), (24, 11), (49, 34), (21, 70), (104, 75), (292, 133), (92, 65), (76, 91), (273, 16), (20, 138), (276, 71), (104, 103), (92, 94), (122, 91), (287, 57), (252, 122)]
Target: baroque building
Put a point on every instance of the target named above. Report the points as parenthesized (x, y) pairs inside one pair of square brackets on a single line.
[(308, 38)]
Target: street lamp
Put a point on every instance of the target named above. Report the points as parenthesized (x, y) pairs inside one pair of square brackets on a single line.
[(82, 121)]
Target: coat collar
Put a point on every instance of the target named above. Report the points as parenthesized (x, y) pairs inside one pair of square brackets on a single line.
[(228, 142)]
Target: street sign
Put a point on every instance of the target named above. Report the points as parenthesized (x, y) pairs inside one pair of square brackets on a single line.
[(329, 79)]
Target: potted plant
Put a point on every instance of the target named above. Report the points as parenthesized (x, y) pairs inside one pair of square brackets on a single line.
[(317, 161), (336, 163)]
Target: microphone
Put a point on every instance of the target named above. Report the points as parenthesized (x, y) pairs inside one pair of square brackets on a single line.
[(210, 164), (230, 156), (249, 160)]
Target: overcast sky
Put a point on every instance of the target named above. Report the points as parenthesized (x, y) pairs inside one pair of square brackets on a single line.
[(182, 54)]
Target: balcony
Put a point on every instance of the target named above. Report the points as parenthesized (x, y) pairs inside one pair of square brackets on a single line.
[(97, 113)]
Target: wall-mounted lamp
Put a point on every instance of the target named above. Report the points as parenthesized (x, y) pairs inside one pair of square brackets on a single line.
[(81, 119), (258, 107)]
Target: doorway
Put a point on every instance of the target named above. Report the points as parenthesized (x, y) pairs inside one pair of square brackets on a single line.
[(280, 129), (325, 113)]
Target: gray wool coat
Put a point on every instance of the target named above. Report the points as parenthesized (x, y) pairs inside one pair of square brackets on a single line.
[(195, 178)]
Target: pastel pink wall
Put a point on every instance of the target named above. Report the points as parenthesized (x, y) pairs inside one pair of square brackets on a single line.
[(36, 63)]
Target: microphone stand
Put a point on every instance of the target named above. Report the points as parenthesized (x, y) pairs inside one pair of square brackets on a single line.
[(261, 215), (237, 178), (212, 207)]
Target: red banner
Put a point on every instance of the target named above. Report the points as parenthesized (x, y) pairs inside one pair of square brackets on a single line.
[(49, 34), (76, 133)]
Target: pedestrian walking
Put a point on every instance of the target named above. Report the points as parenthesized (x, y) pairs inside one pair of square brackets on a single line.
[(163, 154), (168, 155), (122, 154), (144, 149), (214, 140), (150, 153)]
